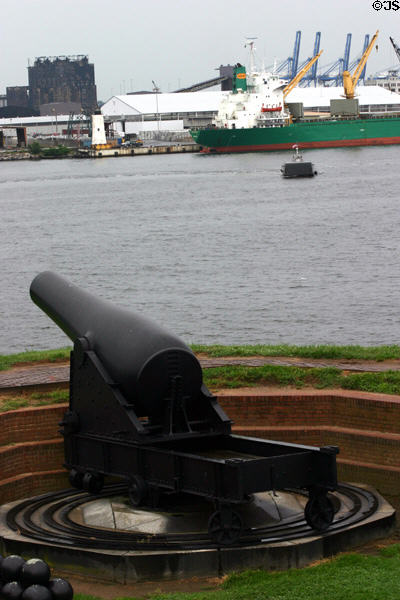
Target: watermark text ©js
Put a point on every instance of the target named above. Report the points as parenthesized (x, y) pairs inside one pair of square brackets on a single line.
[(386, 5)]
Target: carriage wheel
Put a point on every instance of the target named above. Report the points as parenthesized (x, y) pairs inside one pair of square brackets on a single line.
[(76, 478), (319, 512), (137, 490), (225, 527), (92, 482)]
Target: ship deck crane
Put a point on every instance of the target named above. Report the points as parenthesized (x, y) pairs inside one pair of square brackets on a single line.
[(300, 75), (350, 81), (353, 64)]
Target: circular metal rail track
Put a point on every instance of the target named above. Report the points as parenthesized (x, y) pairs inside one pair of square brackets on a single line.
[(46, 518)]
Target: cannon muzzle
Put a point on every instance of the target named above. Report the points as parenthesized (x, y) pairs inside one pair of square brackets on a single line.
[(143, 359)]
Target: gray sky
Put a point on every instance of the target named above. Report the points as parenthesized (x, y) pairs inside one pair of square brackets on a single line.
[(179, 42)]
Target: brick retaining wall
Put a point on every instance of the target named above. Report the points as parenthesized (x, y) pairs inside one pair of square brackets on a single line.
[(366, 427), (31, 452), (30, 424), (354, 410)]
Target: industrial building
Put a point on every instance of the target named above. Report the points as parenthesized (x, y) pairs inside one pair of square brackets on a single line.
[(18, 96), (51, 127), (389, 80), (54, 79), (57, 85), (135, 113)]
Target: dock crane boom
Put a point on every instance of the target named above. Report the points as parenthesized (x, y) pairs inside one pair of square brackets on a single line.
[(329, 77), (292, 61), (300, 75), (350, 81), (396, 48), (312, 76)]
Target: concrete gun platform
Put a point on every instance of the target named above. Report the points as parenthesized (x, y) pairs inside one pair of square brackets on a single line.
[(104, 538)]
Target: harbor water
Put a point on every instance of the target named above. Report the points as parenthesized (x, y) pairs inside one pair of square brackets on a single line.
[(217, 248)]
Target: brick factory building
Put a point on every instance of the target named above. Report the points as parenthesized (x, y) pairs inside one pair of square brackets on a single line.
[(18, 96), (55, 79)]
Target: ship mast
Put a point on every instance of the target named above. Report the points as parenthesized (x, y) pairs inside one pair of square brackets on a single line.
[(250, 43)]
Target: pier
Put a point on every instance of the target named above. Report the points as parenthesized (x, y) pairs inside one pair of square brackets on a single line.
[(142, 150)]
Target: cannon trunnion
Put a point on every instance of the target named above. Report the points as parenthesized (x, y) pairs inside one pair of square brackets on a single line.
[(139, 410)]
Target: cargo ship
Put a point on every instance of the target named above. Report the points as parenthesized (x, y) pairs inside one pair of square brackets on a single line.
[(327, 133), (256, 116)]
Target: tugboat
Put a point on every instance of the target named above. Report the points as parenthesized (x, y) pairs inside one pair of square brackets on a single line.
[(298, 168)]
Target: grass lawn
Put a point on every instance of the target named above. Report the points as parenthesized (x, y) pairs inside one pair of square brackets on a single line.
[(236, 376), (376, 353), (348, 577), (25, 399), (34, 356)]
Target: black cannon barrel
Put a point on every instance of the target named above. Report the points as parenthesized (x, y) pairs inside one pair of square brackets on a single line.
[(138, 354)]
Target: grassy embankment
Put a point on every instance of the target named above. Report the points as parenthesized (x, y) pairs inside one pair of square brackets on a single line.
[(348, 577), (233, 376), (58, 151), (23, 399), (377, 353), (34, 356)]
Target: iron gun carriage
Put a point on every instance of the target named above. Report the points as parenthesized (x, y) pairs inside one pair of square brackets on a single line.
[(139, 410)]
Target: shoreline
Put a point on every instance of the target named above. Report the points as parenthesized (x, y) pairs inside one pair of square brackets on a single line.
[(177, 148)]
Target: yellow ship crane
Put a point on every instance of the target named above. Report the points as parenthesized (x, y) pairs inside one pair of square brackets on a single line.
[(300, 75), (350, 81)]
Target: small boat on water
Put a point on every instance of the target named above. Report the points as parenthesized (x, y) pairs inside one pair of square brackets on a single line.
[(297, 167)]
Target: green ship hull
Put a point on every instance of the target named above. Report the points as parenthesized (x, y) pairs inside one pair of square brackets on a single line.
[(306, 134)]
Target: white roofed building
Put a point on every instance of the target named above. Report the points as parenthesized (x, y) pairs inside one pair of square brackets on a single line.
[(134, 113), (389, 80), (54, 126), (370, 98), (173, 102)]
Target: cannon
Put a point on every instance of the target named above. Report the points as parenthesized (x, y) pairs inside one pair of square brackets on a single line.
[(139, 411)]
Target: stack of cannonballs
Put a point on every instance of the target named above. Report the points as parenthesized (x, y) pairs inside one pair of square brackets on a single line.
[(30, 580)]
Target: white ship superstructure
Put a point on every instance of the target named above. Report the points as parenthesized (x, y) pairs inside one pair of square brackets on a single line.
[(261, 105)]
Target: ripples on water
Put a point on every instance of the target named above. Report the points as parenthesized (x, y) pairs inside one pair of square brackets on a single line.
[(219, 249)]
